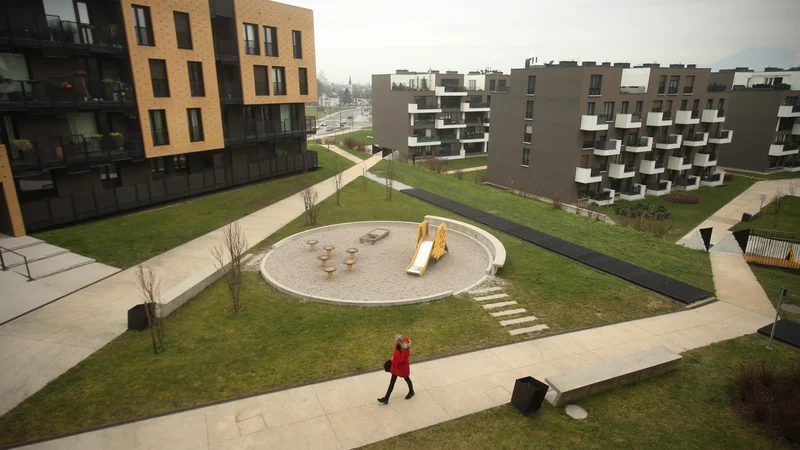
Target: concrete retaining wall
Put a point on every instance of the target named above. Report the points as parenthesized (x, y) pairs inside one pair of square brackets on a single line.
[(495, 247)]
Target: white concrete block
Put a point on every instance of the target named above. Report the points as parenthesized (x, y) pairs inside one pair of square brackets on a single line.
[(506, 323), (528, 330), (485, 290), (509, 312), (498, 305), (491, 297)]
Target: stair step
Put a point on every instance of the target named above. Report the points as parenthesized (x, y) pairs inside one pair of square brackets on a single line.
[(498, 305), (491, 297), (509, 312), (485, 290), (53, 265), (15, 243), (508, 322), (527, 330)]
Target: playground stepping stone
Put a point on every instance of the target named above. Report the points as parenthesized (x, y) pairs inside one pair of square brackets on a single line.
[(527, 330), (506, 323), (509, 312), (491, 297), (485, 290), (498, 305)]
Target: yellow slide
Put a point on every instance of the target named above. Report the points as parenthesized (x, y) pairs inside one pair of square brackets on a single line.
[(428, 247)]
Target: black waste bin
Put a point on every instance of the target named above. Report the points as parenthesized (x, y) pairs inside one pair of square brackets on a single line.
[(528, 395), (137, 318)]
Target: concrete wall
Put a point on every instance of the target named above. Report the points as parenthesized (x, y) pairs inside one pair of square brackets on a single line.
[(390, 121), (754, 118)]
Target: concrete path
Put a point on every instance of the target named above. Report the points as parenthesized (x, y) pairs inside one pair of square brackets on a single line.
[(748, 201), (466, 169), (40, 346), (344, 153)]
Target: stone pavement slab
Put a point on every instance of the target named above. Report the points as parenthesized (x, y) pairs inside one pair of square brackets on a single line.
[(14, 243), (53, 265)]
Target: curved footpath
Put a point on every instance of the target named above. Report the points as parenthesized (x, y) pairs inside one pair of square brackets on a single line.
[(343, 413)]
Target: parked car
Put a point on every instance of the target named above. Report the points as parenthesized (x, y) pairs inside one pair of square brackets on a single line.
[(329, 129), (323, 124), (349, 117)]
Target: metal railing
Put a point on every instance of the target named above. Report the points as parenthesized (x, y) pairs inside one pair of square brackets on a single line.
[(478, 105), (254, 131), (226, 49), (714, 87), (24, 259), (426, 106), (697, 137), (605, 145), (722, 134), (473, 135), (454, 89), (65, 92), (657, 186), (587, 144), (26, 27), (57, 150), (428, 138), (453, 122), (423, 121), (594, 91), (720, 112), (637, 141), (670, 139), (772, 247), (695, 113)]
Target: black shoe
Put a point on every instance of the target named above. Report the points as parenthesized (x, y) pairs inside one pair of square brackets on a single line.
[(410, 394), (384, 400)]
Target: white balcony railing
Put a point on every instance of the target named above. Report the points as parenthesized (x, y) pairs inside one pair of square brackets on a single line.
[(414, 108), (593, 123), (628, 121), (723, 137), (687, 117), (641, 145), (650, 167), (713, 116), (447, 124), (698, 140), (475, 107), (679, 163), (415, 141), (789, 111), (705, 159), (447, 91), (658, 119), (588, 175), (782, 150), (610, 147), (621, 170)]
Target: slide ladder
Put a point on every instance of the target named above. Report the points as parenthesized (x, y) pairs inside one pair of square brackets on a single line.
[(428, 247)]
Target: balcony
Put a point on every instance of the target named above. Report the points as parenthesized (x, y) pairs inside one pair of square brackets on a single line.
[(659, 119), (687, 117), (713, 116), (639, 144), (419, 141), (791, 166), (658, 188), (687, 183), (221, 8), (789, 111), (475, 107), (593, 123), (230, 93), (226, 51), (696, 140), (50, 151), (423, 122), (255, 131), (651, 167), (722, 137), (467, 137), (635, 192), (57, 37), (713, 180), (784, 149), (679, 163), (586, 175), (628, 121), (705, 159), (621, 170), (604, 198), (796, 129), (671, 142), (450, 123), (414, 108), (610, 147), (454, 91), (66, 93)]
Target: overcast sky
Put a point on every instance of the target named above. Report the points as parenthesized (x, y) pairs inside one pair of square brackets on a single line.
[(362, 37)]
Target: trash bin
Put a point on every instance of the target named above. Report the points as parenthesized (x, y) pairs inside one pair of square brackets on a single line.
[(528, 395), (137, 318)]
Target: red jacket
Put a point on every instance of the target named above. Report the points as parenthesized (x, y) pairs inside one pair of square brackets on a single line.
[(400, 366)]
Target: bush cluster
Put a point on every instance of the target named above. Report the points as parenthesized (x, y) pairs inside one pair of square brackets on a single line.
[(682, 197), (648, 211)]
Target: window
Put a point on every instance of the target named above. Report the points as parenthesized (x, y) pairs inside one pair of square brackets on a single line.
[(261, 80), (590, 108), (710, 104), (528, 132), (608, 111), (529, 110), (531, 85), (657, 105), (501, 86), (250, 40), (624, 108), (179, 163), (721, 104), (669, 107), (278, 86), (689, 88), (696, 105), (303, 75), (158, 75), (526, 157), (492, 85), (297, 44), (196, 84), (639, 106), (195, 124), (270, 41), (472, 85), (673, 84), (142, 26), (662, 84), (183, 30), (157, 165), (595, 83), (684, 105), (158, 127)]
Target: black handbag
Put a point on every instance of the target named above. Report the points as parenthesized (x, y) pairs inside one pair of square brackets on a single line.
[(387, 366)]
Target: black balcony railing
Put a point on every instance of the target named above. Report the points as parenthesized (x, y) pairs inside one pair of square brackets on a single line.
[(221, 7), (423, 105), (712, 156), (226, 50), (26, 28), (423, 122), (659, 164), (447, 137), (453, 122), (605, 145), (588, 144), (65, 92), (478, 105), (724, 134), (720, 112), (50, 151), (637, 141), (796, 108), (634, 189), (688, 89), (711, 177), (455, 89), (629, 167), (791, 146), (714, 87), (670, 139), (600, 196), (695, 114), (697, 137), (657, 185), (473, 135), (254, 131), (500, 89)]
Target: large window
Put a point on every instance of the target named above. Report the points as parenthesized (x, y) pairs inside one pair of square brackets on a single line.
[(158, 127), (689, 87), (526, 157), (183, 30), (639, 106), (608, 111), (303, 76), (249, 31), (662, 84), (196, 84), (531, 85), (278, 84), (142, 25), (673, 84), (528, 132), (261, 80), (590, 108), (492, 85), (158, 75), (297, 44), (270, 41), (195, 124), (624, 108), (595, 84), (529, 110)]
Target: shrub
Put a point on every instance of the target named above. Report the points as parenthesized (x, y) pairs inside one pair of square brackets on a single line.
[(658, 228), (727, 177), (682, 197), (645, 210), (350, 142), (460, 174), (435, 165)]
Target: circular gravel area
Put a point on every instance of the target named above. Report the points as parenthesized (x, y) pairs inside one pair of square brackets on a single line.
[(379, 276)]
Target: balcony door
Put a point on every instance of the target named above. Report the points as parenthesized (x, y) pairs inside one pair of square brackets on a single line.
[(82, 127)]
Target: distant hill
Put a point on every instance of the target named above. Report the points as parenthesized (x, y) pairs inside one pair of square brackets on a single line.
[(758, 58)]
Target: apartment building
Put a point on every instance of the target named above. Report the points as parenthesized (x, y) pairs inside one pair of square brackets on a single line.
[(434, 114), (765, 112), (572, 131), (112, 105)]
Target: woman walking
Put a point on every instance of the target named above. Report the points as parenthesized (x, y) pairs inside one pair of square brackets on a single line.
[(400, 367)]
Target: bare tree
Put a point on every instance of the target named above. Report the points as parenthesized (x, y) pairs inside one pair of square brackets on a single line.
[(459, 174), (364, 178), (337, 178), (510, 184), (389, 177), (150, 287), (658, 228), (310, 197), (232, 250)]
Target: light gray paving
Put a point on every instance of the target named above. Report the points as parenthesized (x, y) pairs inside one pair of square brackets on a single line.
[(56, 264), (485, 290), (506, 323), (498, 305), (14, 243), (508, 312), (491, 297), (527, 330)]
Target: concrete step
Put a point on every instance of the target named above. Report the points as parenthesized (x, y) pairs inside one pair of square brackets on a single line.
[(498, 305), (509, 312), (32, 253), (485, 290), (491, 297), (508, 322), (527, 330), (14, 243), (51, 266)]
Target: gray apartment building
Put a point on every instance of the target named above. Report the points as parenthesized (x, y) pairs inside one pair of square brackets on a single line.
[(765, 112), (603, 131), (433, 113)]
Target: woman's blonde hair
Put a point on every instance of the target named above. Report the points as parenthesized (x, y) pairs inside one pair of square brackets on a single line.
[(403, 341)]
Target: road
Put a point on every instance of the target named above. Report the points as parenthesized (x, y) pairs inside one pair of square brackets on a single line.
[(359, 121)]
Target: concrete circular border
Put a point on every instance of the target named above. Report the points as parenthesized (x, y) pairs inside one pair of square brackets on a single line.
[(334, 301)]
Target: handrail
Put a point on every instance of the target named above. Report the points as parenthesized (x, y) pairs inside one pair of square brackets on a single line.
[(24, 258)]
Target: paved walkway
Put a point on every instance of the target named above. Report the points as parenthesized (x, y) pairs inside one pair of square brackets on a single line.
[(748, 201), (40, 346), (466, 169)]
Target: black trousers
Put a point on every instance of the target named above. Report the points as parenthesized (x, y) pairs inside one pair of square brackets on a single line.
[(391, 385)]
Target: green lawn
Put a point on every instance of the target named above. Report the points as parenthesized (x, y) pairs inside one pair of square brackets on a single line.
[(360, 137), (123, 241), (787, 219), (476, 176), (659, 255), (475, 161), (772, 279), (687, 217), (685, 409), (356, 153), (279, 341), (779, 175)]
